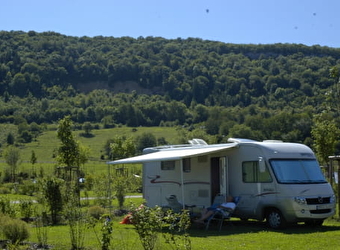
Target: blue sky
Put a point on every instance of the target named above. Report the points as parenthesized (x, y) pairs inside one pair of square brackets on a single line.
[(309, 22)]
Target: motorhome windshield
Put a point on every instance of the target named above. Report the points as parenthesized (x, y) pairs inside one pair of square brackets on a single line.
[(297, 171)]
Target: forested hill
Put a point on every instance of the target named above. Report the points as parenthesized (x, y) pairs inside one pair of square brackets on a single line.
[(44, 76)]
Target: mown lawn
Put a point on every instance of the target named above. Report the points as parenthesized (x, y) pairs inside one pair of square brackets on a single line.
[(239, 235), (234, 235)]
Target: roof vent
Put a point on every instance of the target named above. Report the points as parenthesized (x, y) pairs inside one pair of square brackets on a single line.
[(273, 141), (197, 142), (240, 140)]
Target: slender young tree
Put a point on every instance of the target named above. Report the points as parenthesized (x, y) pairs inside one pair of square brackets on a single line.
[(12, 157), (71, 154), (68, 152)]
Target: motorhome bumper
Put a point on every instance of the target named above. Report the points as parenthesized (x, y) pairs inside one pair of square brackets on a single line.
[(315, 212)]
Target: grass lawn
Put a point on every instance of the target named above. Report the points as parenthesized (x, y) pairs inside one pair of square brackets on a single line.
[(234, 235), (238, 235)]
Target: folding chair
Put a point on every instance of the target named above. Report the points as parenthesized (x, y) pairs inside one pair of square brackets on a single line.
[(221, 214)]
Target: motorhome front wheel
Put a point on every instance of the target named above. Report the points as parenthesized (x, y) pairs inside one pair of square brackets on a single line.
[(275, 219)]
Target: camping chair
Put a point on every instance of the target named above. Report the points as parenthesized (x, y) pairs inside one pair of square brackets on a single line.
[(221, 214)]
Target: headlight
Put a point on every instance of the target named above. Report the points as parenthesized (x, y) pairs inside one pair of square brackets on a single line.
[(333, 199), (300, 200)]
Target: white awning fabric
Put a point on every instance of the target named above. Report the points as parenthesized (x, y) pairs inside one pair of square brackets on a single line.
[(172, 154)]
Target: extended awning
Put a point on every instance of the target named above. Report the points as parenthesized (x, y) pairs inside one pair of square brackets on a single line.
[(172, 154)]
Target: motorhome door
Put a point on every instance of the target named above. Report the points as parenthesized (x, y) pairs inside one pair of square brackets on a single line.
[(218, 176)]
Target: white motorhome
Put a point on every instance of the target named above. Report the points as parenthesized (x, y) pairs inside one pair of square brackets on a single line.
[(277, 181)]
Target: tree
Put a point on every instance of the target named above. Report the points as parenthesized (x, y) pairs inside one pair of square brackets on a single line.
[(10, 139), (51, 189), (33, 161), (122, 147), (71, 154), (87, 126), (144, 141), (325, 134), (12, 157), (68, 152)]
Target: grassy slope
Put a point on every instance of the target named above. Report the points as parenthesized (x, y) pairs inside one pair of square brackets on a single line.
[(48, 142)]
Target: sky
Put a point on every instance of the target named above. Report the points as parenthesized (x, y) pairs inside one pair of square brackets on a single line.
[(308, 22)]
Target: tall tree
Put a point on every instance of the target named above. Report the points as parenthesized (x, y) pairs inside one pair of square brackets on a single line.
[(12, 157), (68, 152)]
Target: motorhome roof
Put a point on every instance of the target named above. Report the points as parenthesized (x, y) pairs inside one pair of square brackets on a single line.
[(177, 152)]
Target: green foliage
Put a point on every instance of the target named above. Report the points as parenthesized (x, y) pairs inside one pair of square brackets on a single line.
[(10, 139), (101, 189), (325, 133), (52, 193), (41, 222), (178, 235), (87, 127), (122, 147), (157, 81), (6, 207), (148, 223), (106, 230), (26, 208), (68, 153), (12, 157), (96, 211), (77, 222), (120, 185), (144, 141), (14, 230)]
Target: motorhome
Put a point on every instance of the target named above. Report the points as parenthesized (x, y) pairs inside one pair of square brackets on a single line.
[(276, 181)]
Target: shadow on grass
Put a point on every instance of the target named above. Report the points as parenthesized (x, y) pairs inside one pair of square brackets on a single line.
[(242, 227)]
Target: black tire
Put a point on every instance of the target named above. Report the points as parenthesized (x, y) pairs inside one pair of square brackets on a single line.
[(275, 219)]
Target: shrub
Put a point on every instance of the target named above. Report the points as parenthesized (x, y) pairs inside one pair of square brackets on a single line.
[(96, 212), (15, 230), (26, 208), (28, 188), (4, 190), (6, 207), (148, 223)]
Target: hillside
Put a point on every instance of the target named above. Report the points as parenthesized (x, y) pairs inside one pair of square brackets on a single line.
[(255, 91)]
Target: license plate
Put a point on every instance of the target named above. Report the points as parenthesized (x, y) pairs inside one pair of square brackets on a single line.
[(325, 206)]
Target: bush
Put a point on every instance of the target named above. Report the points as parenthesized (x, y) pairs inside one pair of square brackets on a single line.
[(4, 190), (96, 212), (26, 208), (14, 230), (6, 207)]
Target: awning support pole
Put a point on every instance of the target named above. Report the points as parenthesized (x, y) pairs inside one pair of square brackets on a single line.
[(182, 183)]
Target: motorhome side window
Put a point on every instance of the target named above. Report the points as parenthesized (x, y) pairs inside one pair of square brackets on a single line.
[(186, 165), (168, 165), (251, 173)]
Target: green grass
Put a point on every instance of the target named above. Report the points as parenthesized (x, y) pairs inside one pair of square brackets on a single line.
[(46, 144), (239, 235), (235, 235)]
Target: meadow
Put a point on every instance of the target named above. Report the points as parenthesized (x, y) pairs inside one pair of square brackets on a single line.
[(46, 144)]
